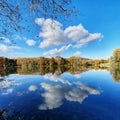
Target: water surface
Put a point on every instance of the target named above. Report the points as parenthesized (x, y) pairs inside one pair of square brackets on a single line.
[(91, 95)]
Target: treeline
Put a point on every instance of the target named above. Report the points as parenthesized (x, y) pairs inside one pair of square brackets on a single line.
[(50, 62), (45, 70), (58, 65), (45, 65)]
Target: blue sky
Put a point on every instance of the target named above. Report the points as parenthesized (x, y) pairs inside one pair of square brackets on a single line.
[(95, 33)]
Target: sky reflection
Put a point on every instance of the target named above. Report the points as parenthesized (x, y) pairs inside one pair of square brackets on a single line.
[(94, 92), (54, 94)]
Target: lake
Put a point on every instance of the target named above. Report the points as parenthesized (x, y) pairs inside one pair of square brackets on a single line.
[(90, 95)]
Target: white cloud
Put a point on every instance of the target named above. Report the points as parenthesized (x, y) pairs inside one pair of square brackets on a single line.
[(75, 33), (56, 78), (39, 21), (54, 94), (8, 49), (6, 84), (6, 40), (18, 37), (56, 52), (77, 75), (53, 34), (32, 88), (88, 39), (15, 47), (77, 54), (8, 91), (4, 48), (31, 42), (79, 94)]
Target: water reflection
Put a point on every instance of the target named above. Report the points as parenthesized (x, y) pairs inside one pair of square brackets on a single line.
[(32, 88), (74, 70), (8, 81), (33, 97), (115, 72), (55, 94), (56, 78)]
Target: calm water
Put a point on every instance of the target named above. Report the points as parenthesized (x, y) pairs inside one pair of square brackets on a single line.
[(91, 95)]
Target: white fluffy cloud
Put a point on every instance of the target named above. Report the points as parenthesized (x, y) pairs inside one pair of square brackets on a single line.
[(32, 88), (54, 94), (56, 52), (53, 34), (76, 33), (30, 42), (56, 78)]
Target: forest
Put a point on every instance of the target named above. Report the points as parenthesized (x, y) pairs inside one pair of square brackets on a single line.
[(50, 63), (58, 65)]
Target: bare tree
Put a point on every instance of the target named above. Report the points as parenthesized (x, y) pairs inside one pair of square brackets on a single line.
[(13, 13)]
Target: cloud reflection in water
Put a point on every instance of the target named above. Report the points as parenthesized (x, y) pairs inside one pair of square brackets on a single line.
[(55, 93), (56, 78)]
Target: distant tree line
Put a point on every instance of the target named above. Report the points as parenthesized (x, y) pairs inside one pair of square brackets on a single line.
[(58, 65), (50, 62), (46, 65)]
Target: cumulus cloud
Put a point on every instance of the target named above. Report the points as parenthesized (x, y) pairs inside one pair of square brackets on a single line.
[(54, 94), (75, 33), (56, 52), (79, 94), (32, 88), (30, 42), (52, 98), (53, 34)]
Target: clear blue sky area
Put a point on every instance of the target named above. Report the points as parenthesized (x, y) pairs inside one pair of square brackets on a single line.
[(94, 33)]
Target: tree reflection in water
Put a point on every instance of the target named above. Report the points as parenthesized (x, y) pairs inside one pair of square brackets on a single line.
[(74, 70)]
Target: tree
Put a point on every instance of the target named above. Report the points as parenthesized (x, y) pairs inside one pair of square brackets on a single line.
[(13, 13), (1, 62), (116, 55)]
